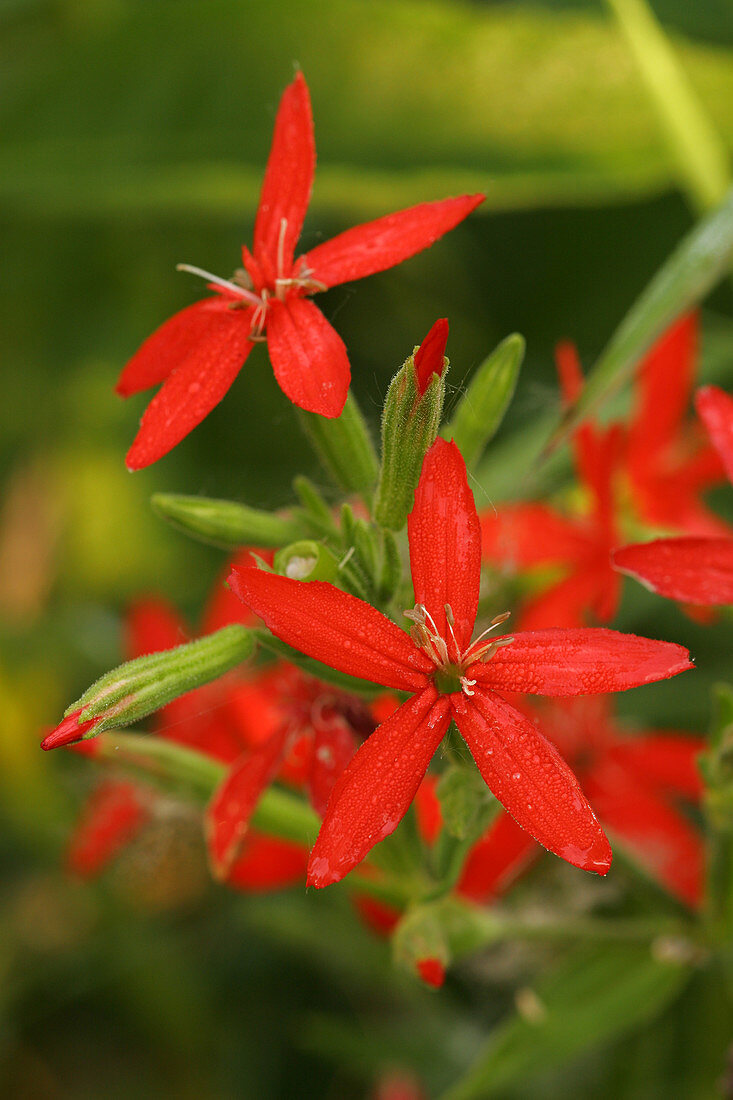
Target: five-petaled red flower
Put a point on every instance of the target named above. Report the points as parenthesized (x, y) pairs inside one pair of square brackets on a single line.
[(696, 569), (198, 353), (451, 677)]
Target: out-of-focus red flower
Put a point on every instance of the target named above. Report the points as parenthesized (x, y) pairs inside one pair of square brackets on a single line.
[(697, 570), (669, 462), (662, 461), (198, 353), (450, 677), (228, 720), (636, 783), (521, 536)]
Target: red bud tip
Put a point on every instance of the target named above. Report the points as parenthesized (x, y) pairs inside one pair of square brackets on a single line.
[(429, 357), (68, 731), (569, 371), (431, 971)]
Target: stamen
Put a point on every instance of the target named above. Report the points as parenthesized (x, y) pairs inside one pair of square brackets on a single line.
[(240, 291), (486, 652), (281, 246)]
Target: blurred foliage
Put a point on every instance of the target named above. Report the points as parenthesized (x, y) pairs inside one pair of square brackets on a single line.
[(134, 137)]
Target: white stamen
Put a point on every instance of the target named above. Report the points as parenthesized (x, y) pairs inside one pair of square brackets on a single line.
[(240, 291), (281, 247)]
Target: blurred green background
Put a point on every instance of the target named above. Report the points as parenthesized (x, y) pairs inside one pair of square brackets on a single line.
[(134, 136)]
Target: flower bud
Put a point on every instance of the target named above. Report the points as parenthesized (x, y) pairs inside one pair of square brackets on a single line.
[(412, 411), (148, 683), (486, 399), (225, 523)]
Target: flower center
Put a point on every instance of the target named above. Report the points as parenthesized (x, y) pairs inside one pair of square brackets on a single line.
[(242, 285), (451, 663)]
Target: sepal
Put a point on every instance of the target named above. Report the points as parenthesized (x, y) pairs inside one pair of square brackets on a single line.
[(409, 427), (137, 688)]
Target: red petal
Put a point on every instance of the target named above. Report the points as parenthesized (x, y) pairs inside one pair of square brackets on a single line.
[(660, 839), (522, 535), (333, 627), (666, 761), (111, 818), (69, 731), (587, 661), (445, 541), (228, 813), (333, 748), (374, 793), (664, 386), (427, 810), (430, 356), (568, 603), (266, 863), (496, 861), (223, 607), (569, 370), (308, 357), (431, 971), (286, 189), (196, 386), (151, 626), (531, 780), (388, 241), (690, 569), (715, 409), (170, 345)]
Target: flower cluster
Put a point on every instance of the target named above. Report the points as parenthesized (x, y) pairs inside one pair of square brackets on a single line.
[(307, 718)]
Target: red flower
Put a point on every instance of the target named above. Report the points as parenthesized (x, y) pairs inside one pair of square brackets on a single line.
[(697, 570), (634, 783), (430, 356), (450, 677), (534, 534), (669, 464), (198, 353)]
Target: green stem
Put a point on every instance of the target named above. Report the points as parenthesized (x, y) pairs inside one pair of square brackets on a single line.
[(345, 448)]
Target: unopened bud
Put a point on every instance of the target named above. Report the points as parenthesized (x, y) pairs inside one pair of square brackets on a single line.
[(148, 683), (410, 422), (225, 523), (307, 561), (70, 731), (430, 356)]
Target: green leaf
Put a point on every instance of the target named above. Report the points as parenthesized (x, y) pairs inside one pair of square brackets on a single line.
[(486, 399), (344, 447), (505, 120), (596, 993)]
